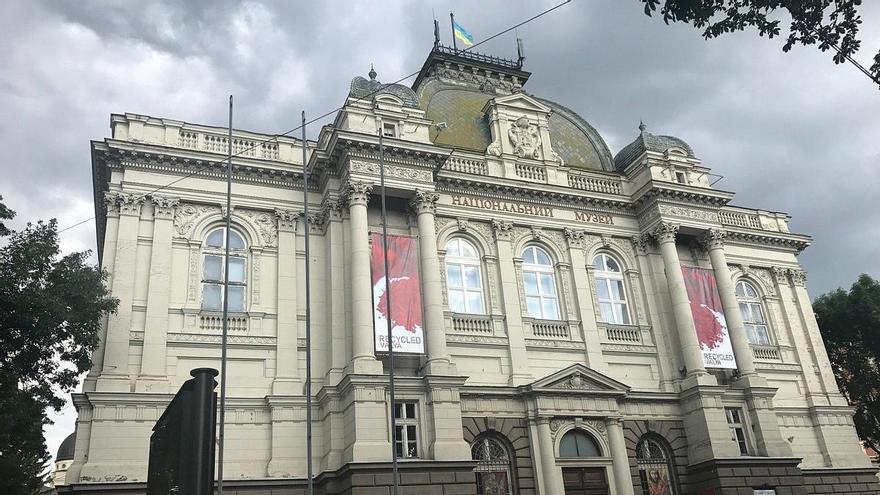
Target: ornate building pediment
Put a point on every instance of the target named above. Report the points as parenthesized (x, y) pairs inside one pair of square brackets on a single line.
[(578, 378)]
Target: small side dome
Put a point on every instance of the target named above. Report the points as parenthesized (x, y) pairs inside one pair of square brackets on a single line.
[(65, 450), (649, 142), (371, 88)]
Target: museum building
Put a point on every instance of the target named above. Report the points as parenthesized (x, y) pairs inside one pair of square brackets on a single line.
[(577, 321)]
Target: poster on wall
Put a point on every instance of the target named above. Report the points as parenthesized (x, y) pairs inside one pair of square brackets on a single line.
[(715, 345), (656, 478), (407, 334)]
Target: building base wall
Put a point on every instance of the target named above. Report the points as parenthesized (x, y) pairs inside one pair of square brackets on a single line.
[(373, 478), (828, 481), (743, 475)]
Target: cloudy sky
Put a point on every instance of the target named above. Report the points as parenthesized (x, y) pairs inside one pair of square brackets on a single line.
[(790, 132)]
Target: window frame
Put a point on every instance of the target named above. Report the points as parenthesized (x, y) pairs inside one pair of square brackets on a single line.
[(403, 421), (219, 252), (581, 432), (463, 262), (537, 270), (752, 304), (608, 277), (386, 126), (736, 422)]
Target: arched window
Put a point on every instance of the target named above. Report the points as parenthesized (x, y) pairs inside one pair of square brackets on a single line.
[(494, 467), (464, 281), (578, 443), (610, 290), (752, 313), (539, 282), (655, 468), (213, 266)]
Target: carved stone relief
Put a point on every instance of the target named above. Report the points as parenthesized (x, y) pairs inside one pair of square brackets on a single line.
[(265, 224), (525, 139), (392, 171)]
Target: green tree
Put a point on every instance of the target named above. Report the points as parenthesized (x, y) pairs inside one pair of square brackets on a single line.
[(850, 325), (829, 24), (51, 307)]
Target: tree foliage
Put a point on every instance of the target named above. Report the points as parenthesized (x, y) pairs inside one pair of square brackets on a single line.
[(850, 325), (51, 307), (829, 24)]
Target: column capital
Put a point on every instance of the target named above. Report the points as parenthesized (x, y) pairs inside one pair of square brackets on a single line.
[(331, 209), (712, 239), (358, 193), (164, 207), (665, 232), (287, 219), (502, 230), (798, 277), (424, 202), (574, 237), (128, 204), (641, 243)]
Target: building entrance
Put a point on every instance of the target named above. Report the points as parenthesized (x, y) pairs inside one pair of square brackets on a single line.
[(585, 481)]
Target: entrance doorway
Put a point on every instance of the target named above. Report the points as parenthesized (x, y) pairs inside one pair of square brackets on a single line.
[(585, 481)]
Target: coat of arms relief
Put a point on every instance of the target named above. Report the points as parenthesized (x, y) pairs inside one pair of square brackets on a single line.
[(525, 139)]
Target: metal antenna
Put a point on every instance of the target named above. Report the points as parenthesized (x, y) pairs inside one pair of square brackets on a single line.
[(221, 434), (395, 481), (308, 392)]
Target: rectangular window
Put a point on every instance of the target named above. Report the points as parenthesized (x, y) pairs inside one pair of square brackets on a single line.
[(389, 130), (406, 428), (737, 428), (681, 178)]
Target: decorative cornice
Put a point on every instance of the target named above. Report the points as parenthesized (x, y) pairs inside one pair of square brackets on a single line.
[(788, 241), (424, 202)]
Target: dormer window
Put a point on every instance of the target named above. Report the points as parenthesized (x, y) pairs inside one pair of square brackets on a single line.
[(389, 130), (681, 177)]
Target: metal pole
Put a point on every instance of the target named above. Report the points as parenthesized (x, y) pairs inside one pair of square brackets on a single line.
[(220, 435), (388, 315), (452, 25), (308, 392)]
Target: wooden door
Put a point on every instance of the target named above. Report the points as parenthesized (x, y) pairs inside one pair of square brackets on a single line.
[(584, 481)]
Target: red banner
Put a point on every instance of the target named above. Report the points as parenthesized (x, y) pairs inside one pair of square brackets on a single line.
[(407, 333), (709, 320)]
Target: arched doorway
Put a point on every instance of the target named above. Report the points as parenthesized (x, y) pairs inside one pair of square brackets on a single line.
[(656, 469), (494, 470), (582, 480)]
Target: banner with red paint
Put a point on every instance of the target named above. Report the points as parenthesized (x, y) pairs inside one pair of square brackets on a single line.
[(407, 333), (709, 320)]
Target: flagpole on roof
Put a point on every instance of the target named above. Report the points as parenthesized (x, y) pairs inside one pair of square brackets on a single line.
[(452, 25)]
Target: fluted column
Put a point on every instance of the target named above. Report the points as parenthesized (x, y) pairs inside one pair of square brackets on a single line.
[(115, 373), (287, 353), (713, 241), (619, 459), (425, 205), (363, 358), (681, 308), (550, 472), (153, 374)]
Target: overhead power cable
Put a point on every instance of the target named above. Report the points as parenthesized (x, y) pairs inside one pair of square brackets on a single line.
[(274, 137)]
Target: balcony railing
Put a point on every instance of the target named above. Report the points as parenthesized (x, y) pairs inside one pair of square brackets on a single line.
[(216, 143), (550, 329), (739, 219), (593, 184), (531, 172), (478, 324), (766, 353), (467, 165), (213, 323), (623, 334)]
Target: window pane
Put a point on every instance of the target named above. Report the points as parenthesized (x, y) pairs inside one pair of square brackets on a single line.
[(534, 306), (235, 240), (547, 286), (586, 447), (607, 312), (453, 276), (215, 239), (411, 433), (744, 310), (568, 446), (452, 248), (456, 301), (474, 302), (411, 413), (530, 283), (211, 297), (602, 288), (762, 336), (598, 263), (236, 299), (624, 314), (757, 314), (213, 268), (471, 277), (541, 257), (236, 269), (551, 311), (397, 409), (467, 250), (612, 265), (617, 290), (529, 255), (750, 291), (740, 290), (620, 315)]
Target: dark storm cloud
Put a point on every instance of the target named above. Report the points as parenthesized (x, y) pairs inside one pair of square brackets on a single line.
[(790, 132)]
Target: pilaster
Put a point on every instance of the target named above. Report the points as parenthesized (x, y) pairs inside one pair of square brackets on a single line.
[(287, 377), (584, 300), (519, 364), (335, 284)]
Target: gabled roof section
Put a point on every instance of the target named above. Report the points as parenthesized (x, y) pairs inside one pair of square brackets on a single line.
[(578, 378)]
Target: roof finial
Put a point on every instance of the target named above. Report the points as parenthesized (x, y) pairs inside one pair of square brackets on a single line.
[(372, 73), (642, 126)]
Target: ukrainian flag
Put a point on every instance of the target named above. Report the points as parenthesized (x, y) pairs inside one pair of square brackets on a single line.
[(462, 34)]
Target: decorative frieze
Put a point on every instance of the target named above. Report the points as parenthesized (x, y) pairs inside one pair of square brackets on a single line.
[(689, 213), (266, 226), (392, 171)]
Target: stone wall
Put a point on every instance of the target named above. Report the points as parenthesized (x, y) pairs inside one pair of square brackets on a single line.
[(828, 481)]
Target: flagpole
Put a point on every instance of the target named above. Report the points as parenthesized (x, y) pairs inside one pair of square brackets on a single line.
[(308, 391), (223, 337), (452, 25), (388, 313)]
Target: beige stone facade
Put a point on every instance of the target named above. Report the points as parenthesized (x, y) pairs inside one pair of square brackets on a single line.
[(512, 367)]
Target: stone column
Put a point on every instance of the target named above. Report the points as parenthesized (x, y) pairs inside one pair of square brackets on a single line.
[(115, 374), (425, 205), (681, 307), (364, 358), (287, 376), (519, 365), (713, 241), (584, 300), (620, 460), (153, 374), (552, 475)]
